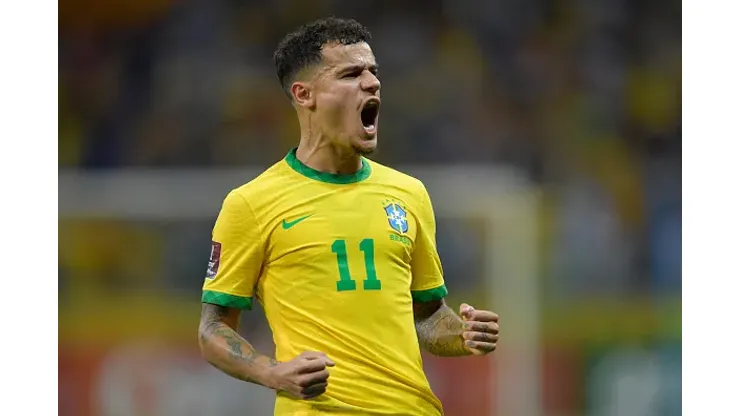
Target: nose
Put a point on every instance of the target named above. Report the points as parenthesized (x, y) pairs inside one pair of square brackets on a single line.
[(370, 83)]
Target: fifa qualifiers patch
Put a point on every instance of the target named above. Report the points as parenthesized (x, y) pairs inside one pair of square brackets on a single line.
[(214, 261)]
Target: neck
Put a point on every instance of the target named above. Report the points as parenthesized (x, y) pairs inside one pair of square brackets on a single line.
[(324, 157)]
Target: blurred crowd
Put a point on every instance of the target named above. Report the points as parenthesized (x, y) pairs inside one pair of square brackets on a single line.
[(583, 96)]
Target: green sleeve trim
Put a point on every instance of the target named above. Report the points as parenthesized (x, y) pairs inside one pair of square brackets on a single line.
[(226, 300), (429, 295)]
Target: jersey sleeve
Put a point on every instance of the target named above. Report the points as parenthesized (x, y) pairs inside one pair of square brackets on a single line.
[(237, 251), (427, 281)]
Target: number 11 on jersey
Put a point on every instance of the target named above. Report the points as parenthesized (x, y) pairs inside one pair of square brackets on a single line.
[(345, 282)]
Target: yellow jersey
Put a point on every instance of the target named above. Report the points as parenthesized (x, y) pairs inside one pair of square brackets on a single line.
[(335, 260)]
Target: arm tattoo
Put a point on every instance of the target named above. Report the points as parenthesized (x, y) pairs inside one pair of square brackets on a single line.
[(225, 349), (439, 329)]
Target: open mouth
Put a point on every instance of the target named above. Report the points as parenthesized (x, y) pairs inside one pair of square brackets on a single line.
[(369, 114)]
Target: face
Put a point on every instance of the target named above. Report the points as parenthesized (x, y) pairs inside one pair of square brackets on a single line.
[(346, 97)]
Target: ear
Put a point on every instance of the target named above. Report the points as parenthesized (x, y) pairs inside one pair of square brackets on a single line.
[(302, 94)]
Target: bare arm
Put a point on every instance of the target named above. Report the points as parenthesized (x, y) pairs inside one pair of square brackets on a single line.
[(439, 329), (226, 350)]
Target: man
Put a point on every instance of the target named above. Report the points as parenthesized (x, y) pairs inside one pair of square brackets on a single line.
[(339, 250)]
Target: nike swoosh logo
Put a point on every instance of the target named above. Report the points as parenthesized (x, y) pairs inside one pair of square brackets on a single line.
[(288, 225)]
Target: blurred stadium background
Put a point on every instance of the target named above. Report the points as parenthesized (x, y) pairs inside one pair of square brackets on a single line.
[(548, 131)]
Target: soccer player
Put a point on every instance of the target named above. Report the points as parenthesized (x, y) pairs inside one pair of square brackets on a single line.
[(339, 250)]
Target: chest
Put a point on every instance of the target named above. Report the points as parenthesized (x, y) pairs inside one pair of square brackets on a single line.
[(354, 237), (343, 215)]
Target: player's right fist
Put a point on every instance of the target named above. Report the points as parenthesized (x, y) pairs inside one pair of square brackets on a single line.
[(304, 377)]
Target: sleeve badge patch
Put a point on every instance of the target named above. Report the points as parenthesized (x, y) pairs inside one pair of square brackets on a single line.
[(214, 260)]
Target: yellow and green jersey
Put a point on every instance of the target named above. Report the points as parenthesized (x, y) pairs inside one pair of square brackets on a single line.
[(335, 261)]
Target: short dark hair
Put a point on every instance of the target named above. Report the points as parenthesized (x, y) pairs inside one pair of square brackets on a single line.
[(302, 48)]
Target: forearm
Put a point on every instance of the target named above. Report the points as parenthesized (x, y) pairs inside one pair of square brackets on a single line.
[(226, 350), (441, 333)]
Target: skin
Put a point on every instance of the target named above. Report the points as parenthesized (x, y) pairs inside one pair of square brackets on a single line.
[(444, 333), (328, 98)]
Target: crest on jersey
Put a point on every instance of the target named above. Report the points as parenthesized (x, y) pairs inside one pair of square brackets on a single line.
[(396, 216), (214, 260)]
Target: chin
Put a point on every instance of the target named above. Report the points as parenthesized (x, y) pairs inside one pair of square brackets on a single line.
[(366, 147)]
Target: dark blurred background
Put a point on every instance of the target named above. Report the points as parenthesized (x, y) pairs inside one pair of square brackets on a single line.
[(580, 100)]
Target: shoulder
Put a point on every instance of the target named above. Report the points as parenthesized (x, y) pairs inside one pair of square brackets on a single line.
[(263, 184), (409, 189), (391, 176)]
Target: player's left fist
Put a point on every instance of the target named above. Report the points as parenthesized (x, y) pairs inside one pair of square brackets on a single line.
[(480, 331)]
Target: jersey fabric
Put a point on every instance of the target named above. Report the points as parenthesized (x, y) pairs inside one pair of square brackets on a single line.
[(335, 260)]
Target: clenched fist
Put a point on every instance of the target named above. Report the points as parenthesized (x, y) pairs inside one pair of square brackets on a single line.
[(305, 376), (480, 330)]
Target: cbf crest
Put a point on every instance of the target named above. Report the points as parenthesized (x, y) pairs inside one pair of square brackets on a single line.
[(396, 214)]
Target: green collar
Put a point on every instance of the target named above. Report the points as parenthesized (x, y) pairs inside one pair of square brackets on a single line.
[(337, 178)]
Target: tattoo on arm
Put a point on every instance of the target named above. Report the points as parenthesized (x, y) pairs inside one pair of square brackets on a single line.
[(439, 329), (225, 349)]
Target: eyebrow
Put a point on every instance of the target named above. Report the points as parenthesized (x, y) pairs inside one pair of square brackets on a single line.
[(352, 68)]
